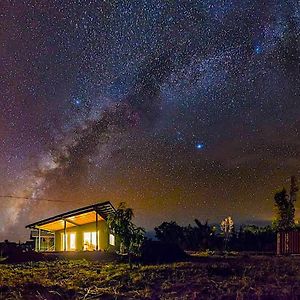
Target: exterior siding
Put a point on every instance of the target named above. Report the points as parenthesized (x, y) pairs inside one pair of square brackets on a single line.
[(288, 243), (103, 230)]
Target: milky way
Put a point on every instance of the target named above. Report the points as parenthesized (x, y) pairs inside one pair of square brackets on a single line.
[(183, 109)]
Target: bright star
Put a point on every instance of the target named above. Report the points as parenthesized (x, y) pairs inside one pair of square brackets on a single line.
[(258, 49), (77, 101), (199, 146)]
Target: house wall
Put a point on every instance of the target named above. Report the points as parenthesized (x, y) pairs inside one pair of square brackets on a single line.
[(103, 235)]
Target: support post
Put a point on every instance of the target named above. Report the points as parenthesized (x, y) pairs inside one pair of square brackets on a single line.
[(54, 241), (36, 244), (65, 235), (97, 233), (39, 241)]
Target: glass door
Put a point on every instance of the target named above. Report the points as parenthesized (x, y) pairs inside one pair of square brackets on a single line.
[(72, 241), (89, 241)]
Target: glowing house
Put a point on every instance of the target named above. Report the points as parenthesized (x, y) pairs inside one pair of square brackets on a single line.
[(82, 229)]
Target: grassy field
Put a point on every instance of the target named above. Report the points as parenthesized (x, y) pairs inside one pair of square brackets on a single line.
[(201, 278)]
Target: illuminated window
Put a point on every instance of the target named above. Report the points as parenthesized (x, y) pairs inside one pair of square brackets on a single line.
[(72, 241), (63, 241), (89, 241), (111, 239)]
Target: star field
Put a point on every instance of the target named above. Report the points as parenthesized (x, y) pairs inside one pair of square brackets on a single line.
[(183, 109)]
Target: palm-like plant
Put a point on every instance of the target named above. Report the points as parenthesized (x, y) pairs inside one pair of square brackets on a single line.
[(227, 227), (131, 236)]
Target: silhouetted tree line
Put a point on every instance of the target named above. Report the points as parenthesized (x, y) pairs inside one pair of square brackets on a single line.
[(204, 236), (254, 238), (247, 238), (199, 237)]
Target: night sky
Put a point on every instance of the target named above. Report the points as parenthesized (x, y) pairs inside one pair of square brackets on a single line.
[(182, 109)]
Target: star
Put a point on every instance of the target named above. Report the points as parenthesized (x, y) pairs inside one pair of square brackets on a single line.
[(258, 49), (104, 90), (77, 102), (200, 146)]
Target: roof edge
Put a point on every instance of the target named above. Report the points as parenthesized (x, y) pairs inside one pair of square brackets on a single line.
[(73, 213)]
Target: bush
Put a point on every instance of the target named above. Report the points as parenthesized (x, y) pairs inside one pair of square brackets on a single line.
[(159, 252)]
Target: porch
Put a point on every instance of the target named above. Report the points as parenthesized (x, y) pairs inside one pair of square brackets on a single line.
[(83, 229)]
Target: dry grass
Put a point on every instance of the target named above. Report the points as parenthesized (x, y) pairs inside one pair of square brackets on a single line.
[(205, 278)]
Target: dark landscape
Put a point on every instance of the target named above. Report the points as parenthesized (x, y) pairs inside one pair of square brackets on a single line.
[(149, 149), (200, 277)]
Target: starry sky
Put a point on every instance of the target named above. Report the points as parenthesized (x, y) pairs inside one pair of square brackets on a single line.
[(182, 109)]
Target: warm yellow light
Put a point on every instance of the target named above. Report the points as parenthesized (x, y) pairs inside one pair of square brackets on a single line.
[(72, 241), (89, 240), (63, 239), (111, 239)]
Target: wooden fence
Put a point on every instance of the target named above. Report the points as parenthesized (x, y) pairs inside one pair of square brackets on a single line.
[(288, 243)]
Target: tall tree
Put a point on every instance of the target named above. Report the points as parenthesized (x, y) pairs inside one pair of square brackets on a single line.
[(285, 204)]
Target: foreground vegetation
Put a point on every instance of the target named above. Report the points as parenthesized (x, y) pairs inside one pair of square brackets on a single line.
[(198, 278)]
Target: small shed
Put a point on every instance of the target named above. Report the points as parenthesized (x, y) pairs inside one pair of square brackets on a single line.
[(288, 243)]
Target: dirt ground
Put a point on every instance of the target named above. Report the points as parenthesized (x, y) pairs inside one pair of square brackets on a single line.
[(240, 277)]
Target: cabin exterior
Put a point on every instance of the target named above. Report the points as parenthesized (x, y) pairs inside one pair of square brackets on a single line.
[(83, 229)]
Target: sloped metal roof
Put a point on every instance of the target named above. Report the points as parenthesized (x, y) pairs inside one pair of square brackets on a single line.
[(76, 217)]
